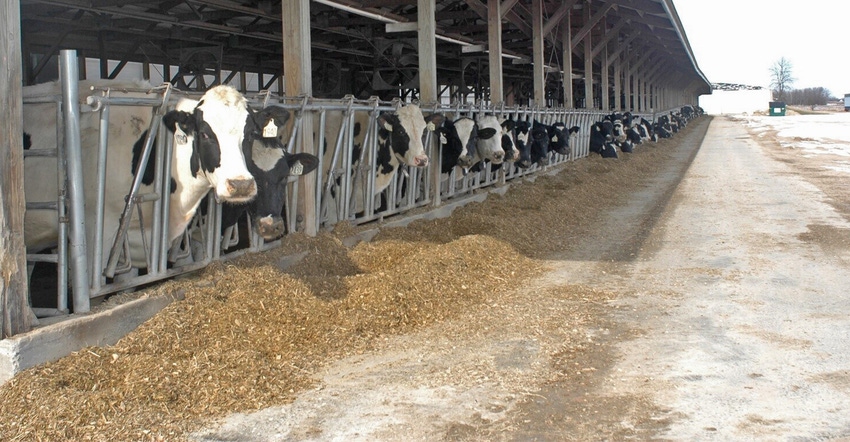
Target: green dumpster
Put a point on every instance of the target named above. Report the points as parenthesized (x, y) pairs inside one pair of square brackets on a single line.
[(777, 108)]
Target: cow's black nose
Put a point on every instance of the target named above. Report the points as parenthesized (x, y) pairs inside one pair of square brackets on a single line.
[(241, 187)]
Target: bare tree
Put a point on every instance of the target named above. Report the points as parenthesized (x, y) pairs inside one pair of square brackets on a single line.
[(780, 78), (813, 96)]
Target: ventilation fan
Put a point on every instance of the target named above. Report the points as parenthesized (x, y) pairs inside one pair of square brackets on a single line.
[(327, 78), (396, 65), (474, 77), (199, 69)]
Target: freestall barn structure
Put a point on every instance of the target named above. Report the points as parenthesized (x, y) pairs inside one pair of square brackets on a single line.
[(559, 60)]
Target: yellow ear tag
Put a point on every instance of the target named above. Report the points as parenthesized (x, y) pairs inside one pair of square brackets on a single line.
[(270, 131), (431, 126)]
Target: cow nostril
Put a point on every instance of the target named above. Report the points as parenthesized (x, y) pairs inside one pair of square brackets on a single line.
[(241, 186)]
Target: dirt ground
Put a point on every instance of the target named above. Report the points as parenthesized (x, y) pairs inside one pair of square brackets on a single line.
[(690, 291)]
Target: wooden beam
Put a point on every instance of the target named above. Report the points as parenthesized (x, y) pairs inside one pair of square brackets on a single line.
[(537, 48), (15, 317), (559, 14), (567, 63), (592, 20), (494, 39), (588, 65), (297, 71), (506, 6), (427, 29), (609, 34)]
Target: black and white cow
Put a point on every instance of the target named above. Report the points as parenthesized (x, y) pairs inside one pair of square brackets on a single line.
[(540, 140), (458, 144), (662, 127), (208, 137), (509, 140), (489, 146), (399, 142), (602, 139), (532, 142), (559, 138), (271, 166)]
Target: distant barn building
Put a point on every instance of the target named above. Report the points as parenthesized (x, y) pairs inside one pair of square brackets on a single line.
[(730, 98)]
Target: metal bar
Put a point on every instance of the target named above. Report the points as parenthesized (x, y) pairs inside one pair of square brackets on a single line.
[(97, 255), (69, 74)]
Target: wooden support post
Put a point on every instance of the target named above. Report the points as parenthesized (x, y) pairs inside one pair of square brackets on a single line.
[(427, 28), (618, 77), (14, 310), (588, 63), (567, 61), (494, 33), (604, 72), (537, 47), (297, 69)]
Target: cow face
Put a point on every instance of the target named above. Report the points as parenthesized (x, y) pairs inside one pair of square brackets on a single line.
[(539, 144), (271, 167), (523, 144), (559, 139), (602, 140), (458, 141), (489, 140), (208, 135), (508, 140), (400, 141), (402, 132)]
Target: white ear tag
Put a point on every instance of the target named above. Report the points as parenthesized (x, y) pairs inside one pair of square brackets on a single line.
[(181, 138), (443, 139), (296, 169), (431, 126), (270, 131)]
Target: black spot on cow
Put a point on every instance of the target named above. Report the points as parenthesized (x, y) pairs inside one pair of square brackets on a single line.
[(148, 176)]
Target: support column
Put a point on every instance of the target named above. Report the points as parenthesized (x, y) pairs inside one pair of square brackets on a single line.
[(297, 68), (426, 27), (605, 91), (494, 34), (588, 63), (567, 61), (618, 78), (537, 47), (15, 315)]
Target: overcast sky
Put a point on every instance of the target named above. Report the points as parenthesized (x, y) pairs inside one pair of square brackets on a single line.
[(737, 41)]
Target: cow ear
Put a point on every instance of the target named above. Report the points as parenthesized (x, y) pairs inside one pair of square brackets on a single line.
[(434, 121), (182, 118), (509, 124), (302, 163), (387, 121), (574, 129), (486, 133), (270, 119)]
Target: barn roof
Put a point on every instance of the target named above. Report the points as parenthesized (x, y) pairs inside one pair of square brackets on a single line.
[(351, 37)]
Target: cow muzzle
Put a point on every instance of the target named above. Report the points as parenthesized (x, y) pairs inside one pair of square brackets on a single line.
[(239, 189), (270, 227), (420, 161)]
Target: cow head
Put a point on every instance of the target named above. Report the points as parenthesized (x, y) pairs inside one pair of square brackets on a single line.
[(402, 131), (489, 140), (508, 140), (458, 143), (208, 135), (523, 143), (540, 144), (271, 166), (559, 139)]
